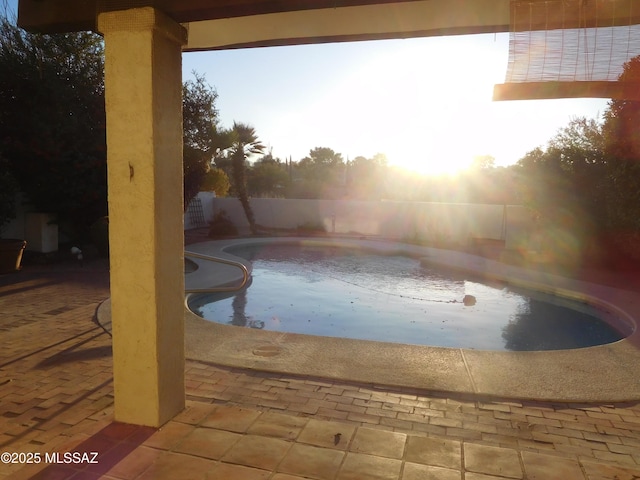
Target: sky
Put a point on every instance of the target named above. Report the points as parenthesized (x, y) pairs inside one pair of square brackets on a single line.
[(425, 103)]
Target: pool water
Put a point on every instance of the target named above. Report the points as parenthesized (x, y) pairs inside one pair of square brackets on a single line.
[(362, 295)]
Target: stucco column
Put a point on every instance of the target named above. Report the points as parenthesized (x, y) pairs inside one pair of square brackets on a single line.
[(143, 81)]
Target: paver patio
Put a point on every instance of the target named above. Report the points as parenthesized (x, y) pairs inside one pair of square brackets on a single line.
[(56, 395)]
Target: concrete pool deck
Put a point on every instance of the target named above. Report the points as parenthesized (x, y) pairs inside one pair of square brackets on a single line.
[(607, 373)]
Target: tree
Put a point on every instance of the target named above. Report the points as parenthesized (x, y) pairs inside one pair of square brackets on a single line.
[(325, 164), (483, 162), (244, 142), (366, 177), (484, 182), (52, 121), (268, 177), (215, 180), (202, 136), (570, 174), (196, 165), (321, 163), (321, 174), (565, 184), (622, 148), (199, 114), (326, 157), (622, 118), (542, 180)]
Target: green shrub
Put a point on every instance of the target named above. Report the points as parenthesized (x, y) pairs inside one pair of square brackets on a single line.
[(222, 226)]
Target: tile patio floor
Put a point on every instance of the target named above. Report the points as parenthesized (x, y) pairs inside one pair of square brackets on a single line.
[(56, 395)]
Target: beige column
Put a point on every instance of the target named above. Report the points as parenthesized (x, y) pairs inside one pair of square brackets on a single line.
[(143, 81)]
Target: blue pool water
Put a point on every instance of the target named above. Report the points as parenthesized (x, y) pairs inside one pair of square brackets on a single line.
[(361, 295)]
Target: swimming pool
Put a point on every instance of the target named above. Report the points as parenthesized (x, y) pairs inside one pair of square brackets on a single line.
[(358, 294)]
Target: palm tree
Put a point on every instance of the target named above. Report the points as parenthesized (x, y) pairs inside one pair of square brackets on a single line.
[(244, 142)]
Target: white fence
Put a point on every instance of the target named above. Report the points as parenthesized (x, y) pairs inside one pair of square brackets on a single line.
[(409, 221)]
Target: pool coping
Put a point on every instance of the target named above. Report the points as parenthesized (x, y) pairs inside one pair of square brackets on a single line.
[(605, 373)]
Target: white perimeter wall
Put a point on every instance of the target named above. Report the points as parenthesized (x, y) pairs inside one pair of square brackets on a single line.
[(38, 229), (190, 218), (417, 221)]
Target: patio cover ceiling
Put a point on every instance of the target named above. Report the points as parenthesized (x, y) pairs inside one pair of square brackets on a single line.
[(218, 24)]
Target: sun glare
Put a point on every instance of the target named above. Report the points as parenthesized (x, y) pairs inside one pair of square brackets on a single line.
[(425, 103), (419, 103), (456, 86)]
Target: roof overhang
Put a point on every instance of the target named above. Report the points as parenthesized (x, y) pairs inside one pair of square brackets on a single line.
[(250, 23), (349, 23)]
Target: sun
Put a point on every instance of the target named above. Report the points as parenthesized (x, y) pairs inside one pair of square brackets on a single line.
[(421, 103), (440, 160), (447, 111), (447, 167), (447, 143)]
